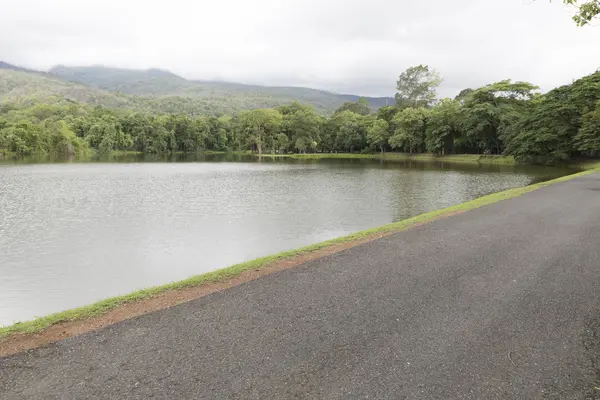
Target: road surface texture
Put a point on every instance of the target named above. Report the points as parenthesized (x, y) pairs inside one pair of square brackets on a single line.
[(502, 302)]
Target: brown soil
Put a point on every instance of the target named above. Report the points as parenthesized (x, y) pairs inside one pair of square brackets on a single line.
[(20, 342)]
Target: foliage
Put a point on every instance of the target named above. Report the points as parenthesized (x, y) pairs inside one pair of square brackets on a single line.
[(588, 138), (360, 107), (547, 132), (155, 90), (378, 134), (416, 86), (491, 111), (411, 125), (586, 11), (502, 118), (444, 126)]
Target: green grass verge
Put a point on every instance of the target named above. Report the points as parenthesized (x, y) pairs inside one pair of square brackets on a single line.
[(454, 158), (101, 307), (587, 164)]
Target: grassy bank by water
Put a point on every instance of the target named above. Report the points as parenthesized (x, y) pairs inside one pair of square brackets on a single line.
[(102, 307), (454, 158)]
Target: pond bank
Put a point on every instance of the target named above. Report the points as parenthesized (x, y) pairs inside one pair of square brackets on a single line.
[(454, 158)]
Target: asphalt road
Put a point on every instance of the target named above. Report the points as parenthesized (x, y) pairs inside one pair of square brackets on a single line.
[(502, 302)]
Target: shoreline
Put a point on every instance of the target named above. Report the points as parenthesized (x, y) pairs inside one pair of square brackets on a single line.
[(55, 327), (422, 157), (473, 159)]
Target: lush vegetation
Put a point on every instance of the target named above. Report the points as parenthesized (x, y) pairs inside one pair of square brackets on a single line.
[(156, 91), (510, 118), (168, 92)]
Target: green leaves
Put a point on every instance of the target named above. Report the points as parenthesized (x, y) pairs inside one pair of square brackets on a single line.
[(586, 11), (410, 129), (378, 134), (588, 137), (359, 107), (443, 126), (559, 124), (503, 117), (417, 87)]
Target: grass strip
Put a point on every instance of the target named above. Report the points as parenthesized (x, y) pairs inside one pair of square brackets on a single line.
[(455, 158)]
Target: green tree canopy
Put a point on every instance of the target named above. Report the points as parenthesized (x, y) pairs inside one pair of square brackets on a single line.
[(361, 106), (416, 87), (378, 134), (411, 125), (586, 10), (444, 126)]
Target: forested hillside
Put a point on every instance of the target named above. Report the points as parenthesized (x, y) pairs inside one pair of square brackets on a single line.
[(504, 117), (29, 88), (222, 96)]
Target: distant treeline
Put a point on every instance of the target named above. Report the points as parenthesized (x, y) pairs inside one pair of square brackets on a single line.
[(502, 118)]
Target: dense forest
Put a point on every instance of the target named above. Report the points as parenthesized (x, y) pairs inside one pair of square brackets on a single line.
[(505, 117)]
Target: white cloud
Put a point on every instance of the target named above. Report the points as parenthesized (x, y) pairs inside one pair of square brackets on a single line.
[(341, 45)]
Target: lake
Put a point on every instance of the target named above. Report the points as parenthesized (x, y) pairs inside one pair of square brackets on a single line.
[(74, 233)]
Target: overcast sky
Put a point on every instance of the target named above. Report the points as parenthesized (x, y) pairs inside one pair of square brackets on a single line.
[(350, 46)]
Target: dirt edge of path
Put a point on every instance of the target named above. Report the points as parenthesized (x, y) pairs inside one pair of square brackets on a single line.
[(20, 342)]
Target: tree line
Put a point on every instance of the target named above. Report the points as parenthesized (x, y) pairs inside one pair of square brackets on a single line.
[(505, 117)]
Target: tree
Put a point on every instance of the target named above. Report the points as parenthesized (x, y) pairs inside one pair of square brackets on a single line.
[(547, 130), (586, 11), (63, 140), (378, 134), (282, 142), (387, 113), (411, 126), (491, 112), (361, 106), (588, 138), (464, 95), (303, 127), (444, 126), (417, 87), (349, 132), (260, 128), (189, 134)]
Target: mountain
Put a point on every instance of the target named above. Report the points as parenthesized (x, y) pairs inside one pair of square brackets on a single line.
[(155, 90), (5, 65), (156, 82), (23, 86), (130, 81)]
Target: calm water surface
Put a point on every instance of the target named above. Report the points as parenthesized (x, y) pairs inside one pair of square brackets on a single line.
[(74, 233)]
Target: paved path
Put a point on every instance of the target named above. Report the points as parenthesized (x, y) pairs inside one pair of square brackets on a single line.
[(502, 302)]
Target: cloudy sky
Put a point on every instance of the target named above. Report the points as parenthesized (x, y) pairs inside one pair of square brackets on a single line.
[(350, 46)]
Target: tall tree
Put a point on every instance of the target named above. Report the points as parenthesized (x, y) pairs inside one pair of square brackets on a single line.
[(411, 127), (303, 128), (588, 138), (546, 132), (444, 126), (417, 87), (260, 128), (378, 134), (349, 131), (491, 111), (361, 106)]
